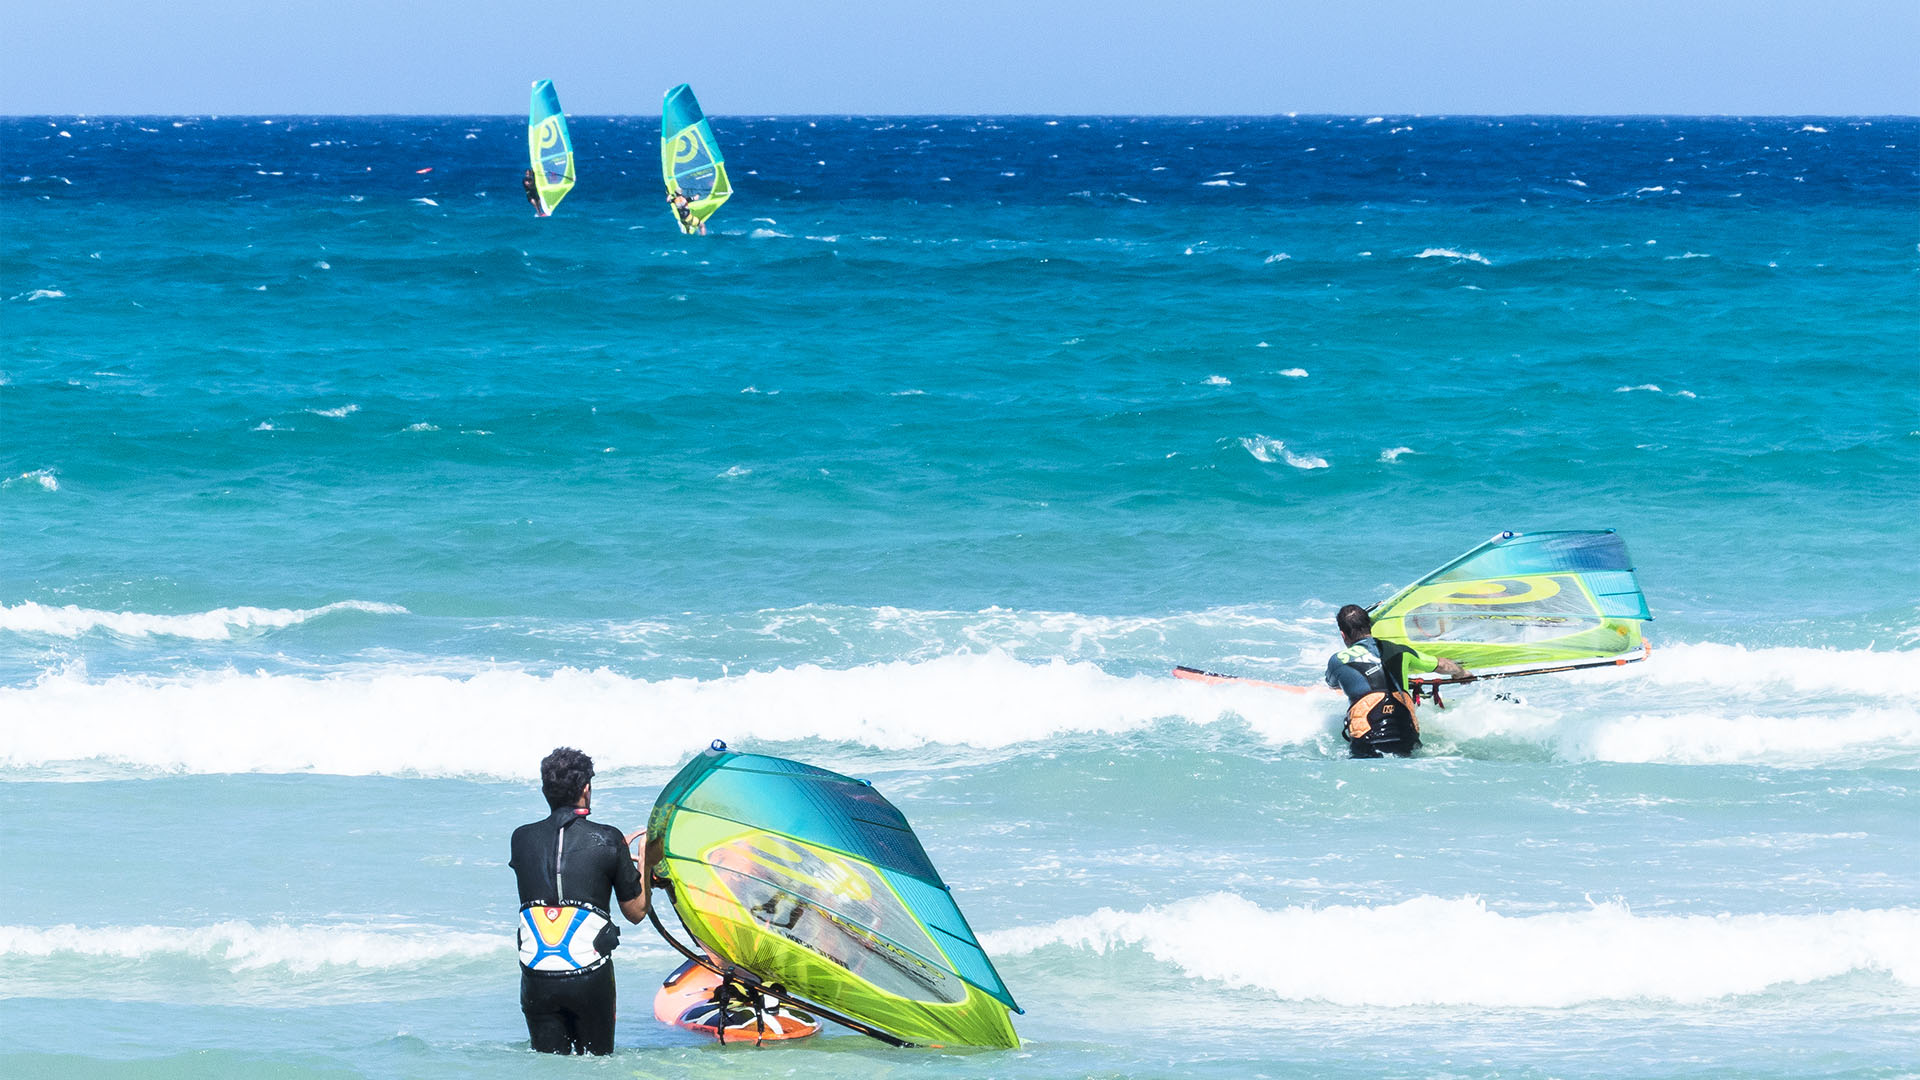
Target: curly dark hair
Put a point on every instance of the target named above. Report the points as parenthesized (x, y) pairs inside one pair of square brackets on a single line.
[(564, 775)]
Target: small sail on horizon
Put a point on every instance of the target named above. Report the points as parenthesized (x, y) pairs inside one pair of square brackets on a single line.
[(690, 161), (550, 146)]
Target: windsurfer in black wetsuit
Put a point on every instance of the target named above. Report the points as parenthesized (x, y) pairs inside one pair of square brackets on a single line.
[(567, 868), (683, 209), (533, 193), (1373, 673)]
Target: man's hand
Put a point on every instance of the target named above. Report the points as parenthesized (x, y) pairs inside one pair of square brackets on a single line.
[(1447, 667)]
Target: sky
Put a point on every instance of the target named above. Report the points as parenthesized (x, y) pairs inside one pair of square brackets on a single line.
[(1052, 57)]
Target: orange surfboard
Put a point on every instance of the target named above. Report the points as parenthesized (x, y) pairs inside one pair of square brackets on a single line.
[(1196, 675), (688, 999)]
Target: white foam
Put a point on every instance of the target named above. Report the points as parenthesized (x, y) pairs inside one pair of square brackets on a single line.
[(44, 479), (1715, 704), (240, 946), (220, 624), (40, 294), (338, 414), (1270, 451), (1435, 951), (735, 470), (1449, 253), (395, 721), (421, 426), (1813, 128), (1218, 380), (1216, 183), (1654, 388), (426, 202), (1393, 454), (1278, 257), (1295, 373)]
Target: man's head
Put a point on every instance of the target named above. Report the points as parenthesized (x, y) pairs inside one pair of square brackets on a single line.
[(1354, 623), (564, 775)]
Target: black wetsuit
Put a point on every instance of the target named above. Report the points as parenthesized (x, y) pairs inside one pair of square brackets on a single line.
[(1373, 675), (571, 1012)]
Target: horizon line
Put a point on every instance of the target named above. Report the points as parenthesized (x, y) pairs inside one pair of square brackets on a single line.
[(1290, 115)]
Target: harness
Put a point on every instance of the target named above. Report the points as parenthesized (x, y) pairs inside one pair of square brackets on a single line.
[(1385, 718), (564, 938)]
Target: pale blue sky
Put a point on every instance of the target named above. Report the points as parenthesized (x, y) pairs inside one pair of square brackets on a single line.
[(964, 56)]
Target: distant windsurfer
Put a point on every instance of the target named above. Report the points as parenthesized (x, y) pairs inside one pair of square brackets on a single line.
[(1373, 673), (567, 868), (683, 209), (533, 193)]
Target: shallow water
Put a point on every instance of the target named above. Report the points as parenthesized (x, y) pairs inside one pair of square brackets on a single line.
[(335, 493)]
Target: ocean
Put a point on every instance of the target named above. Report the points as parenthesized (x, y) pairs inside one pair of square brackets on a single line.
[(336, 489)]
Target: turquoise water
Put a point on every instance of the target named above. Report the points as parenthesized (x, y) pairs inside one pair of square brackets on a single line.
[(336, 493)]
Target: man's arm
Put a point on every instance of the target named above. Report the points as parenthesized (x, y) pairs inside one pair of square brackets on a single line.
[(1417, 662), (635, 907)]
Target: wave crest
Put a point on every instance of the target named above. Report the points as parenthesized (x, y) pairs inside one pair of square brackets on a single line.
[(1434, 951), (218, 624)]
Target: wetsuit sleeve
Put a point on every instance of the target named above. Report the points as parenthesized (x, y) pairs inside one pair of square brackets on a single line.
[(626, 876), (1417, 664), (1348, 678)]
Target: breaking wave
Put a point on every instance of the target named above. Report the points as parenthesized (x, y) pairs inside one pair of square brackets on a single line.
[(1435, 951), (218, 624)]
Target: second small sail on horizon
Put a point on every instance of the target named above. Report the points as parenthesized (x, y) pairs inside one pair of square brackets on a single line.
[(690, 161), (550, 147)]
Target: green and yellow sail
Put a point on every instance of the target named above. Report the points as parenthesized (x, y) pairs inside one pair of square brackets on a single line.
[(813, 881), (550, 146), (1523, 601), (690, 160)]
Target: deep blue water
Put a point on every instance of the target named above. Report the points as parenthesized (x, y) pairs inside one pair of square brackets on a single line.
[(335, 489)]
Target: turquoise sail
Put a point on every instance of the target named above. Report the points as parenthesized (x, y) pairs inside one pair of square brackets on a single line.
[(550, 146)]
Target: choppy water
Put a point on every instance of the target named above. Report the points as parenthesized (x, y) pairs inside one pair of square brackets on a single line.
[(336, 492)]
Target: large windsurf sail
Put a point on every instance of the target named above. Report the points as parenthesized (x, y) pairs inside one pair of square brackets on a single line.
[(550, 146), (812, 882), (1523, 603), (690, 160)]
